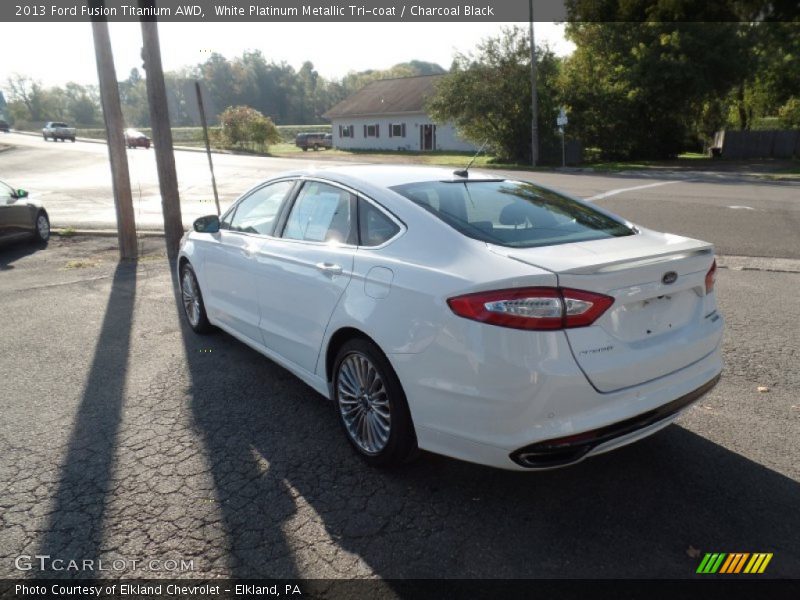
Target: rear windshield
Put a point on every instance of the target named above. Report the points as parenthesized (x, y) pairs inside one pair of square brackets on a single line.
[(512, 213)]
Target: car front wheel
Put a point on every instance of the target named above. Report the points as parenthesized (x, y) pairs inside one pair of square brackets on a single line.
[(192, 301), (42, 231), (372, 406)]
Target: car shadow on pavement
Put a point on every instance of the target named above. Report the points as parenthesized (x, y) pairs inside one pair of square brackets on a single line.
[(253, 502), (11, 252), (297, 502), (75, 526)]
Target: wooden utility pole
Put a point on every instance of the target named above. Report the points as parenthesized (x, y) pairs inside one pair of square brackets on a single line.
[(162, 133), (112, 115), (208, 144), (534, 98)]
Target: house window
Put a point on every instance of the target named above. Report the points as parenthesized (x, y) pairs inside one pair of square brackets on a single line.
[(397, 130), (372, 131), (345, 131)]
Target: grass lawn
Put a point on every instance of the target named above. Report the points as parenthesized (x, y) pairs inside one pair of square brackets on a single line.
[(436, 158), (687, 159)]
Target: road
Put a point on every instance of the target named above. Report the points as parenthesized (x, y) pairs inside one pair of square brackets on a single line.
[(742, 215), (74, 180)]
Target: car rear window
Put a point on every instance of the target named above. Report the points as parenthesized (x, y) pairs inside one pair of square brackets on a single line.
[(512, 213)]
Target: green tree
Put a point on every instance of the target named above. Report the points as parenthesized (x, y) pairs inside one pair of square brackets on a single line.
[(487, 95), (639, 89), (133, 96), (82, 104), (772, 79), (28, 97), (650, 76)]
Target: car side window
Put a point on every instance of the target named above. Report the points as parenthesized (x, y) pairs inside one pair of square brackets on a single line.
[(321, 213), (374, 227), (6, 194), (257, 212)]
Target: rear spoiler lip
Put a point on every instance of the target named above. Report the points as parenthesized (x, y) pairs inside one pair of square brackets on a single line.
[(618, 265), (623, 264)]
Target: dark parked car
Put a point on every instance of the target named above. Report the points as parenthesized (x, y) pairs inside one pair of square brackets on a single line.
[(136, 139), (21, 217), (4, 126), (313, 140)]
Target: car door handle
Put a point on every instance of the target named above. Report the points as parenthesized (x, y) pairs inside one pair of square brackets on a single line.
[(329, 268)]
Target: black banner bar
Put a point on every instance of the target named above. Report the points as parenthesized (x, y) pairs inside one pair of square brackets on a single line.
[(712, 588), (283, 10), (475, 11)]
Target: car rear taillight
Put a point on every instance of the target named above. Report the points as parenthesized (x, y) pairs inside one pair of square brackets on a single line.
[(532, 308), (711, 277)]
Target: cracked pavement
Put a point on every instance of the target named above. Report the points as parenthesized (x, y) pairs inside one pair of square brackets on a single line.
[(126, 436)]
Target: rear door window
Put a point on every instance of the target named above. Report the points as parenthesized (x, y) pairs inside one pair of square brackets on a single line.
[(512, 213), (374, 226), (322, 213)]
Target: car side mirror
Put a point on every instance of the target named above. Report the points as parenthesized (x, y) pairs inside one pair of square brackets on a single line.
[(209, 224), (22, 194)]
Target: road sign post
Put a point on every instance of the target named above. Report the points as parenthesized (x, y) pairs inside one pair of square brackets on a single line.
[(562, 121), (208, 145)]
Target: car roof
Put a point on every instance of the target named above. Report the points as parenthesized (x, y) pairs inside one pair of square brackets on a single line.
[(386, 176)]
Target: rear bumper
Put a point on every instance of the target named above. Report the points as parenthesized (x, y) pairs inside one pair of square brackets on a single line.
[(569, 450), (487, 395)]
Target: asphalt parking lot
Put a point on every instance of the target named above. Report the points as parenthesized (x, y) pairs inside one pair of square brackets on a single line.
[(125, 436)]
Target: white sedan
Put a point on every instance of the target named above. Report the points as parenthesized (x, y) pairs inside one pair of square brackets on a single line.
[(491, 320)]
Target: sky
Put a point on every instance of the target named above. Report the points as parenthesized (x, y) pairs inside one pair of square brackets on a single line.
[(67, 50)]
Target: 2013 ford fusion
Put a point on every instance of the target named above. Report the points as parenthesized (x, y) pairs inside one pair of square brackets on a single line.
[(487, 319)]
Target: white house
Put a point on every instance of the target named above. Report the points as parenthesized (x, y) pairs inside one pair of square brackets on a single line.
[(389, 114)]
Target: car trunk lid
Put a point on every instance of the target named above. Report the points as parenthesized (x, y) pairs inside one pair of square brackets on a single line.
[(662, 319)]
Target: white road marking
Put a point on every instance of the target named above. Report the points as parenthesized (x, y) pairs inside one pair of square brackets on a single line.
[(736, 206), (630, 189)]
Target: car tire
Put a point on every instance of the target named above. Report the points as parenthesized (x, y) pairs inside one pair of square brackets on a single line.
[(194, 309), (305, 148), (369, 399), (41, 229), (44, 137), (72, 140)]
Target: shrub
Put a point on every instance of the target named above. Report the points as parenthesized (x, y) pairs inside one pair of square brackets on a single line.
[(245, 127), (789, 113)]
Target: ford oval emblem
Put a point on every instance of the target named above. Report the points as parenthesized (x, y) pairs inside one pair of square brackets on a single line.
[(669, 277)]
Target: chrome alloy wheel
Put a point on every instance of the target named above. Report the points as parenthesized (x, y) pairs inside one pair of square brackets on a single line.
[(363, 403), (191, 297), (43, 227)]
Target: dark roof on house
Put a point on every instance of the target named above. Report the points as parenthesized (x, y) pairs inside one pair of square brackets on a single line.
[(387, 97)]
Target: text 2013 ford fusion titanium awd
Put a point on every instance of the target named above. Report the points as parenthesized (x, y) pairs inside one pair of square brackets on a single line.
[(482, 318)]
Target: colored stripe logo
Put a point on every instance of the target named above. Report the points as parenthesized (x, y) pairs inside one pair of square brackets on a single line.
[(734, 563)]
